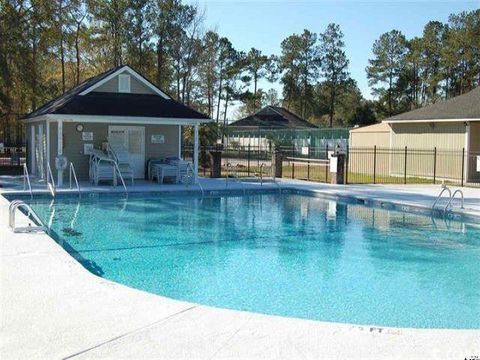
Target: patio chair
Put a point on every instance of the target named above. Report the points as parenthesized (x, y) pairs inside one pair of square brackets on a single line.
[(121, 156), (101, 167)]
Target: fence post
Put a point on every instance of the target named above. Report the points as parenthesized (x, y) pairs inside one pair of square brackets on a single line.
[(405, 168), (293, 162), (434, 164), (248, 160), (326, 167), (463, 164), (347, 159), (374, 164)]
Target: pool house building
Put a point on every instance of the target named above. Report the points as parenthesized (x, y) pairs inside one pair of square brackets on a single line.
[(118, 109)]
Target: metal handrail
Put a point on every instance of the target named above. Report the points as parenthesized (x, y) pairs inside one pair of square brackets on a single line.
[(192, 177), (26, 180), (72, 171), (51, 183), (262, 165), (16, 204), (121, 177), (444, 188), (230, 169), (452, 197)]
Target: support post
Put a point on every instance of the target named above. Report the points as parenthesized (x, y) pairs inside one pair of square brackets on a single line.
[(60, 151), (32, 149), (463, 164), (47, 150), (434, 165), (195, 153), (374, 164)]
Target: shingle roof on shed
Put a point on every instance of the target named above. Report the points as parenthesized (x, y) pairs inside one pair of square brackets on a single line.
[(462, 107), (114, 104), (273, 117)]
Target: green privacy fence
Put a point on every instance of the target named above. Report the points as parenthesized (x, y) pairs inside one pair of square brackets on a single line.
[(288, 137)]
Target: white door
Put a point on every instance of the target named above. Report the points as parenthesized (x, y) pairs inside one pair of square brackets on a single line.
[(131, 138)]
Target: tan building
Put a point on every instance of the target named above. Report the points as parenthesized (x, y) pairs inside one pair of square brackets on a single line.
[(450, 129), (119, 105)]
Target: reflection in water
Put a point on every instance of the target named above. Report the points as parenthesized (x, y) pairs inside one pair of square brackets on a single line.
[(280, 254)]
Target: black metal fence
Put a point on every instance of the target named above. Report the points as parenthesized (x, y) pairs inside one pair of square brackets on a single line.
[(12, 159), (371, 165)]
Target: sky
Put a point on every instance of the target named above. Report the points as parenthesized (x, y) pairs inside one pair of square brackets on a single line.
[(264, 24)]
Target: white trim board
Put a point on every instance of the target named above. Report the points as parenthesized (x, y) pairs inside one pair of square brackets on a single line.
[(427, 121), (118, 119), (133, 73)]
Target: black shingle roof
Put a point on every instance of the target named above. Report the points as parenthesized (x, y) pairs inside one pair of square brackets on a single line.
[(466, 106), (273, 117), (114, 104)]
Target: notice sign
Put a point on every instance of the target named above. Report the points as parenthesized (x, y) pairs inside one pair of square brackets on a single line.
[(87, 149), (478, 163), (157, 139), (333, 164), (87, 136), (305, 150)]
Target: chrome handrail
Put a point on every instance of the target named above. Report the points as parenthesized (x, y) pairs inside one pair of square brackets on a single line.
[(452, 197), (444, 188), (26, 180), (121, 177), (262, 165), (51, 183), (16, 204), (192, 178), (72, 171)]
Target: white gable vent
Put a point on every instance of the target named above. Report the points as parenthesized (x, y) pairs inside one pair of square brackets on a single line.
[(124, 83)]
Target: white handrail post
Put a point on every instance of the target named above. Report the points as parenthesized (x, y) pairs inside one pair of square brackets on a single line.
[(195, 153)]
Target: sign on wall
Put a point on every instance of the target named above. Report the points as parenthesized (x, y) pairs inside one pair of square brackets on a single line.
[(87, 148), (157, 139), (87, 136)]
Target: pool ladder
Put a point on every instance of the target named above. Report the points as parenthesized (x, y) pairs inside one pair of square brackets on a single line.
[(18, 204), (451, 197)]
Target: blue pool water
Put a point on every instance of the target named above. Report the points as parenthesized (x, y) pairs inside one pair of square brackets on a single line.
[(286, 255)]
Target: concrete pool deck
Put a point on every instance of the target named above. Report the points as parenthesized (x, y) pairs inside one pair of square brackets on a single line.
[(51, 307)]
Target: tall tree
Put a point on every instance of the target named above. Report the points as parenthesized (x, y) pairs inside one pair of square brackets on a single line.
[(334, 64), (385, 69), (257, 67), (110, 27), (300, 63)]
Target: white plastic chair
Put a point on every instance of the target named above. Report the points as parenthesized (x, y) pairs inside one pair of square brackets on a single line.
[(121, 156)]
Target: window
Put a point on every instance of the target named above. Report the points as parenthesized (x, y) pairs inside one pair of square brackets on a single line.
[(124, 83)]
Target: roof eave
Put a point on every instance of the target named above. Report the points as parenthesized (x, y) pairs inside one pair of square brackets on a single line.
[(400, 121), (118, 119)]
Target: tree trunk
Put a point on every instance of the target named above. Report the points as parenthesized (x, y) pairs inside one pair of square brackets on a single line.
[(77, 53), (219, 93)]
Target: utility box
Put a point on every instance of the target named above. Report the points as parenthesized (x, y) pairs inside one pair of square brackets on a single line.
[(215, 164), (337, 168)]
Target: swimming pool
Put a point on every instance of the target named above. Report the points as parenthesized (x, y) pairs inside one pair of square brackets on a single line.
[(288, 255)]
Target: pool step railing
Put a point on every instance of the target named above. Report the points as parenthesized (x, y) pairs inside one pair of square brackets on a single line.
[(118, 172), (231, 171), (450, 204), (450, 198), (189, 178), (17, 205), (50, 181), (73, 175), (26, 180)]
